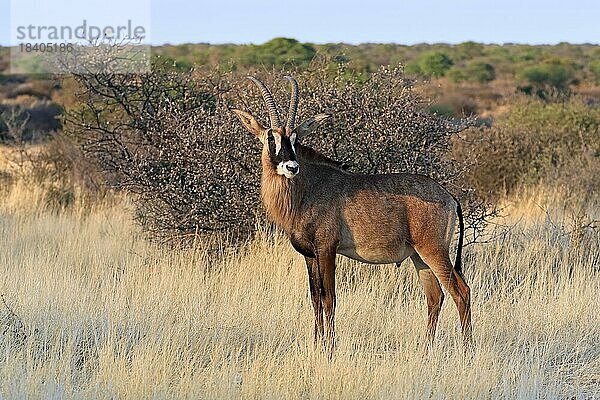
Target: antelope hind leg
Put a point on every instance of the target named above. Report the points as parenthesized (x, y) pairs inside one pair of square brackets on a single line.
[(433, 294)]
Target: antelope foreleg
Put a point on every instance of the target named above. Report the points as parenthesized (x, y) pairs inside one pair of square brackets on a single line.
[(326, 260), (314, 282)]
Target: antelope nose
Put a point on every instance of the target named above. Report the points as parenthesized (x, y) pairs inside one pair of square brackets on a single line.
[(292, 168)]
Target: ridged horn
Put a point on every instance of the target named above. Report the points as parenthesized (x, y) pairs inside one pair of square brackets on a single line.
[(294, 100), (268, 97)]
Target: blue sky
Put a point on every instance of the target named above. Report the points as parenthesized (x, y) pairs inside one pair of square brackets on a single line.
[(352, 21)]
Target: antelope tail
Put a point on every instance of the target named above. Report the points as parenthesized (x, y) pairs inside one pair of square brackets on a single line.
[(461, 234)]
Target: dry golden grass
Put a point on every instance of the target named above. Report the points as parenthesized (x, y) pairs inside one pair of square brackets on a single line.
[(100, 313)]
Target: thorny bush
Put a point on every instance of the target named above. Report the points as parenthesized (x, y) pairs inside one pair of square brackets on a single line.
[(170, 139)]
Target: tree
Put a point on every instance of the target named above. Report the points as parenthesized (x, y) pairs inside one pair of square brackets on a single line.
[(555, 74), (431, 64), (479, 72), (594, 67), (280, 52), (468, 50)]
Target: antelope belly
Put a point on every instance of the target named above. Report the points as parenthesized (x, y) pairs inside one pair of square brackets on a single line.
[(370, 255)]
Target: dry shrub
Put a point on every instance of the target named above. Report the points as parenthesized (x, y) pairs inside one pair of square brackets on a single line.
[(6, 181), (37, 88), (22, 100), (66, 174), (30, 97), (169, 138), (557, 143), (41, 116), (455, 104), (56, 165), (56, 168)]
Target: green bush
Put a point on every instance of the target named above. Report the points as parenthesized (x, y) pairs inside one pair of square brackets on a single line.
[(497, 53), (594, 67), (456, 74), (433, 64), (468, 50), (280, 52), (478, 72), (526, 53), (552, 74)]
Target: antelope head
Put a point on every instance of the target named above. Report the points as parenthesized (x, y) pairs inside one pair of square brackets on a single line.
[(279, 140)]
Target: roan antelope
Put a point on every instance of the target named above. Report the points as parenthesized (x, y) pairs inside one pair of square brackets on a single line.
[(376, 219)]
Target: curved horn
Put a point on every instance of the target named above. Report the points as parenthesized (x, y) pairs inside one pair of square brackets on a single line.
[(294, 99), (268, 97)]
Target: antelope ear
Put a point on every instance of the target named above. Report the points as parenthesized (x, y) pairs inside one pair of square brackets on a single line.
[(310, 124), (251, 124)]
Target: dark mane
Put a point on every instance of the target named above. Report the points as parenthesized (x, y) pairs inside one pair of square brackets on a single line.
[(310, 154)]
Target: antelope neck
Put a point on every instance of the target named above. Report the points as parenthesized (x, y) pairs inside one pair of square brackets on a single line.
[(280, 195)]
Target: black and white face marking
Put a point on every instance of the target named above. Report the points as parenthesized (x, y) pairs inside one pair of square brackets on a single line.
[(282, 153)]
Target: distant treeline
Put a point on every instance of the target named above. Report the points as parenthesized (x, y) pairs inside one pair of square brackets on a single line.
[(558, 65)]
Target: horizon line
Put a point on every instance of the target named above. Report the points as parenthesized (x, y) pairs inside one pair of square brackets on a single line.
[(321, 43)]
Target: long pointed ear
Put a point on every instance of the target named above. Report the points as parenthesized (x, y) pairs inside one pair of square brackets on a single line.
[(251, 123), (310, 124)]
